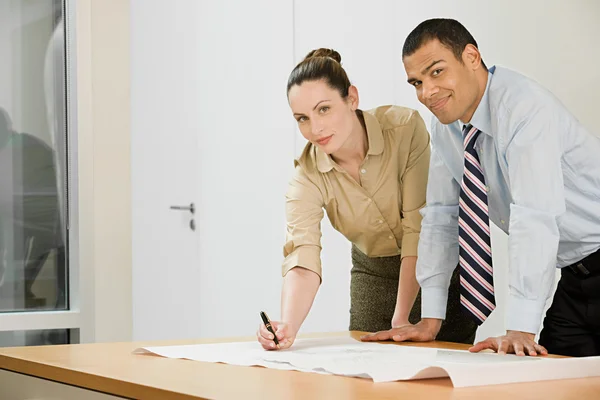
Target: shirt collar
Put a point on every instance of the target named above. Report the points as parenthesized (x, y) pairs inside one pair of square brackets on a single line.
[(374, 135), (482, 119)]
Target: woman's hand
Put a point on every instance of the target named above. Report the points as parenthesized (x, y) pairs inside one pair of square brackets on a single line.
[(285, 334)]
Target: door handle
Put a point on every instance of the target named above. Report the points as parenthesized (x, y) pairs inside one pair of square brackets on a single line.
[(191, 208)]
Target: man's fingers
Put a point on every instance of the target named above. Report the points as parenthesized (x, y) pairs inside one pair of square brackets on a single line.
[(530, 349), (503, 346), (518, 348), (540, 349), (489, 343)]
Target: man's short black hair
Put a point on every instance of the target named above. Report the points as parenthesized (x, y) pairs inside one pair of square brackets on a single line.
[(449, 32)]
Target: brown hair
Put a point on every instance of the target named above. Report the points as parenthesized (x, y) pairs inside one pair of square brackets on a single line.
[(321, 64)]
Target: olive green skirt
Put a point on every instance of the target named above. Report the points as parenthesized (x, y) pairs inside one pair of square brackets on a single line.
[(373, 292)]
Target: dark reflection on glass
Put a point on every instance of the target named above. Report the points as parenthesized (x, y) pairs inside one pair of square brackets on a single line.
[(33, 261), (35, 338)]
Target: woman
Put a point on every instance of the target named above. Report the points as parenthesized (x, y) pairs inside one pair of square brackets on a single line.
[(368, 170)]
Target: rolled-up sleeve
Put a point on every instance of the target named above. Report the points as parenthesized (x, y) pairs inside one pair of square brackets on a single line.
[(414, 187), (304, 212)]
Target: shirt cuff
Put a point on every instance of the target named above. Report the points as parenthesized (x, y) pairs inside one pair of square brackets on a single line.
[(308, 257), (524, 315), (410, 244), (433, 302)]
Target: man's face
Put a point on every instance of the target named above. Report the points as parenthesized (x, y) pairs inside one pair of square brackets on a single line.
[(445, 85)]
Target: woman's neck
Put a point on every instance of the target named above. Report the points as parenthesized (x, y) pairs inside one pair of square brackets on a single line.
[(354, 150)]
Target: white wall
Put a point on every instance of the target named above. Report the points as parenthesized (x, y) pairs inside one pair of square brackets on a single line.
[(102, 222), (551, 41)]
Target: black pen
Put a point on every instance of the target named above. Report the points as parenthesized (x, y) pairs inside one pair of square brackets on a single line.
[(267, 323)]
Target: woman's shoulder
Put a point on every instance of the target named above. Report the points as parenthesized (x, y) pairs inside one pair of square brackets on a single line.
[(393, 116), (306, 162)]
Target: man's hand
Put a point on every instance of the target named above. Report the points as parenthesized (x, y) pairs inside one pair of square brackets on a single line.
[(425, 331), (513, 342)]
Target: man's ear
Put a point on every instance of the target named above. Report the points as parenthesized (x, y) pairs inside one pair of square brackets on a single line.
[(471, 56)]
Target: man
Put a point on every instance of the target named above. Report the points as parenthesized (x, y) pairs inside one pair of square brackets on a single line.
[(29, 213), (505, 150)]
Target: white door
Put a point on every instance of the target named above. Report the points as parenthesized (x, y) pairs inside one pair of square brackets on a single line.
[(211, 126), (164, 172)]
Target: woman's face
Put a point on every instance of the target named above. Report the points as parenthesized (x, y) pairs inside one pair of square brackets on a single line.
[(324, 117)]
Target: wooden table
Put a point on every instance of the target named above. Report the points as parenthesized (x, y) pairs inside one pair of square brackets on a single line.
[(103, 371)]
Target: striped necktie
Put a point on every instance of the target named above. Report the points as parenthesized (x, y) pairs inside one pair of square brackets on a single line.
[(475, 252)]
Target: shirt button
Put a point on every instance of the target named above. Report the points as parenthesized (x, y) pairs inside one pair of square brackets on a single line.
[(369, 200), (390, 237), (502, 221), (380, 221), (363, 171)]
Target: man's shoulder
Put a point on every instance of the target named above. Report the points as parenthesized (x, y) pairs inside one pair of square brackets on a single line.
[(439, 130), (515, 92)]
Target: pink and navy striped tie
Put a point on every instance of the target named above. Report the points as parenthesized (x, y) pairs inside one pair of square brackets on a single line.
[(475, 252)]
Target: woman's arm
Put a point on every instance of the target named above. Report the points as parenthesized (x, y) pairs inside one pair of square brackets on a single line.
[(300, 287), (302, 263)]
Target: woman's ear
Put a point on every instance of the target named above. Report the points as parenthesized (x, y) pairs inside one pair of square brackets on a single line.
[(353, 97)]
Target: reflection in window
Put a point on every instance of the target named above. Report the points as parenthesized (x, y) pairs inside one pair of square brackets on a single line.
[(33, 261), (35, 338)]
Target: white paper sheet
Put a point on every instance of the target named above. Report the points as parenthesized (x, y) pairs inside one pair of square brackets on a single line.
[(387, 362)]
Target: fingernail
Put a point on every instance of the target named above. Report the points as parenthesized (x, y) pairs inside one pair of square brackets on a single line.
[(272, 345)]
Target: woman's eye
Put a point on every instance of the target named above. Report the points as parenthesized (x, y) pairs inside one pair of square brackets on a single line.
[(324, 109)]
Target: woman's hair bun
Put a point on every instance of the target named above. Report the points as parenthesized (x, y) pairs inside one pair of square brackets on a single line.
[(322, 52)]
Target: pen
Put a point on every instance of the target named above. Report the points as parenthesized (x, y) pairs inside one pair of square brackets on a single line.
[(267, 323)]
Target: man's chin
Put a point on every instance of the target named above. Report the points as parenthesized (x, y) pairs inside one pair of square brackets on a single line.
[(445, 118)]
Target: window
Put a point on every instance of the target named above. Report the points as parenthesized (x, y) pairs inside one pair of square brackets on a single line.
[(34, 205)]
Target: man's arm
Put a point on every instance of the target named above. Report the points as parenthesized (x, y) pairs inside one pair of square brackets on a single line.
[(438, 241), (536, 182), (537, 188)]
